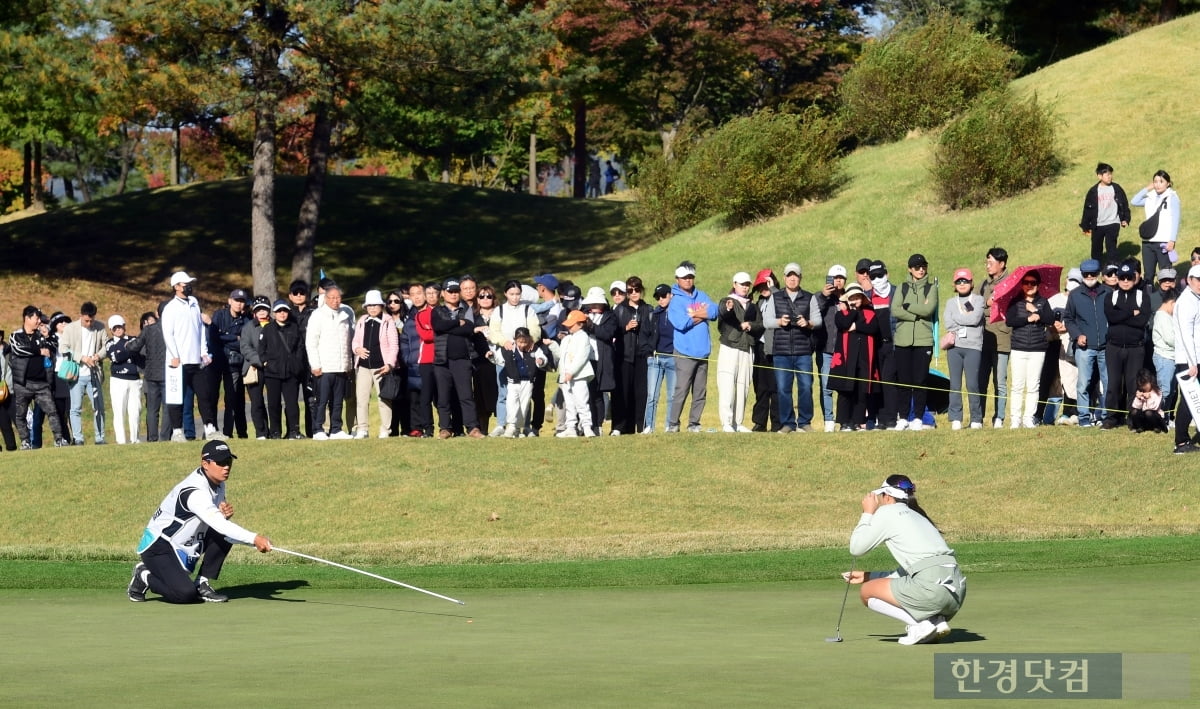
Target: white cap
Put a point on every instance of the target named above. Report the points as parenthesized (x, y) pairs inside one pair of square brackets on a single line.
[(180, 277), (742, 277), (529, 294), (684, 271), (616, 285), (792, 267), (838, 270), (115, 320), (1194, 271), (595, 296), (374, 297)]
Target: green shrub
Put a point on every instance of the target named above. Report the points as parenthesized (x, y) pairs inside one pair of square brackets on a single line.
[(1000, 146), (750, 168), (921, 77)]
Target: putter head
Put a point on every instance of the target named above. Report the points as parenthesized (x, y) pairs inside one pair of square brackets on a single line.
[(838, 639)]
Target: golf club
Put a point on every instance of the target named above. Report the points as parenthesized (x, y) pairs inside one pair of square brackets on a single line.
[(837, 638), (374, 576)]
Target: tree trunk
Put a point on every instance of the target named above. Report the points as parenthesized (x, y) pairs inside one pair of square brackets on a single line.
[(68, 189), (579, 179), (126, 156), (83, 185), (314, 190), (262, 196), (446, 169), (39, 195), (1168, 10), (27, 177), (176, 155), (668, 141), (532, 162)]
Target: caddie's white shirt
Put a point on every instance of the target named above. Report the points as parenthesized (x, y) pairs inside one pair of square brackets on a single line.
[(183, 331), (186, 514)]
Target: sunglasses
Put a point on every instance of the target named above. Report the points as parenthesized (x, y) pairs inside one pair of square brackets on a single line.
[(1030, 283), (1126, 277), (488, 296), (394, 301), (1091, 274), (961, 281)]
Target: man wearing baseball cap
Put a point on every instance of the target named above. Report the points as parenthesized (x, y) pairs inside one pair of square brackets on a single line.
[(226, 371), (186, 339), (1087, 327), (795, 317), (191, 522), (689, 313)]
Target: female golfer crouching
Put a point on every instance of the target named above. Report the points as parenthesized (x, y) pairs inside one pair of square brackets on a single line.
[(928, 589)]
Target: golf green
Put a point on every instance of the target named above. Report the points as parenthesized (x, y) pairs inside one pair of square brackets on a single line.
[(719, 645)]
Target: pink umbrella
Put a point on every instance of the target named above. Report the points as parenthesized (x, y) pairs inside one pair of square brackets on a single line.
[(1010, 287)]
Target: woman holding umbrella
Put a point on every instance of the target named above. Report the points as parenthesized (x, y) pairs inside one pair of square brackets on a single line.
[(1029, 314)]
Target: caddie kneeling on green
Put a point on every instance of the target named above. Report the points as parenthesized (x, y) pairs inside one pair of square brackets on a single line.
[(191, 522)]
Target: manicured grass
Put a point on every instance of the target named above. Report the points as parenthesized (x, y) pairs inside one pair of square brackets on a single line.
[(715, 645)]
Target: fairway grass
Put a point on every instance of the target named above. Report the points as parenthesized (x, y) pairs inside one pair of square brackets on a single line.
[(714, 645)]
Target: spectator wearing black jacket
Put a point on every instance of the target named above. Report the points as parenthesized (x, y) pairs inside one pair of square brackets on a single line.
[(281, 351), (629, 399), (30, 355), (1128, 311), (1105, 211), (454, 326), (227, 326), (149, 343)]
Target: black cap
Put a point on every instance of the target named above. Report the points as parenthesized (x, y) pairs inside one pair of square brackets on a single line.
[(662, 290), (451, 285), (261, 301), (1111, 269), (298, 287), (218, 452), (863, 265), (878, 268), (917, 260)]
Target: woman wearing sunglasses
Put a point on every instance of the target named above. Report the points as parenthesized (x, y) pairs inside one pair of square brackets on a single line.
[(1028, 315), (928, 589)]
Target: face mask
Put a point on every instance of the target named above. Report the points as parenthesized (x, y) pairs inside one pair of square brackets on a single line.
[(879, 283), (187, 290)]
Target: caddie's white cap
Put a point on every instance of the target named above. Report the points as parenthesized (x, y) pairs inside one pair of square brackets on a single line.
[(180, 277)]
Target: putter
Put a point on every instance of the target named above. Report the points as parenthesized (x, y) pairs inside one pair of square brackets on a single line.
[(368, 573), (837, 638)]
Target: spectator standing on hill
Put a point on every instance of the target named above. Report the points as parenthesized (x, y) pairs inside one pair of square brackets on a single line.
[(60, 388), (1161, 203), (660, 366), (248, 340), (1087, 326), (963, 320), (281, 349), (192, 522), (506, 318), (376, 345), (795, 316), (689, 313), (6, 397), (548, 317), (739, 324), (885, 404), (1127, 310), (83, 341), (412, 350), (601, 325), (186, 339), (1068, 373), (854, 370), (997, 338), (396, 307), (454, 326), (125, 384), (1187, 356), (765, 414), (327, 344), (520, 362), (227, 324), (629, 403), (150, 344), (1105, 212), (828, 299), (611, 175), (914, 313), (30, 356), (1029, 316)]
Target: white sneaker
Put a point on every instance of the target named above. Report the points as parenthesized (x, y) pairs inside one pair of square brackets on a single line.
[(384, 434), (320, 436), (1028, 423), (569, 433), (976, 425), (919, 634), (647, 431), (360, 435), (916, 425), (589, 433), (340, 436), (509, 432), (997, 423), (900, 425), (212, 434), (829, 426), (695, 429), (1062, 421), (728, 429), (496, 432), (178, 437), (743, 429), (614, 433), (1016, 423), (941, 629), (956, 425)]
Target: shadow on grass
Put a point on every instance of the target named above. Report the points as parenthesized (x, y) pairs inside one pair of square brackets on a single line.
[(392, 610), (373, 233), (957, 635), (266, 590)]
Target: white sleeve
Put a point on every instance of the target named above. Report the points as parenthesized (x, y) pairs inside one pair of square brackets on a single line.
[(208, 513), (866, 536)]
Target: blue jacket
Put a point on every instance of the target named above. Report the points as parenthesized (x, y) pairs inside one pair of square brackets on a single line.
[(1085, 315), (691, 339)]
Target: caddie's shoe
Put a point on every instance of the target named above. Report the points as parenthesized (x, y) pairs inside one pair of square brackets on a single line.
[(207, 594), (919, 633), (941, 629), (138, 584)]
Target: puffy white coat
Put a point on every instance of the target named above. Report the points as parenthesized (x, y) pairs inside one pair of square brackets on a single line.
[(328, 339)]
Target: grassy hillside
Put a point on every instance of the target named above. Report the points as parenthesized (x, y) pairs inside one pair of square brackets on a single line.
[(1129, 104), (374, 233)]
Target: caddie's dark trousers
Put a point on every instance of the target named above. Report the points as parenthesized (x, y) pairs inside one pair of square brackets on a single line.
[(170, 580)]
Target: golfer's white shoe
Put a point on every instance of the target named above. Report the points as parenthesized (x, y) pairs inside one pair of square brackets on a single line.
[(918, 634), (941, 628)]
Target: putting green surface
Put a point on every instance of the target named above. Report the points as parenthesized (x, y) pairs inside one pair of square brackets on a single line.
[(717, 645)]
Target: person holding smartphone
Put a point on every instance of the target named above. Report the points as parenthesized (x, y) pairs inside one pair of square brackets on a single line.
[(963, 342)]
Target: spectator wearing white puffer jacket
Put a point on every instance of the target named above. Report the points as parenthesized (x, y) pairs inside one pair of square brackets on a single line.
[(327, 343)]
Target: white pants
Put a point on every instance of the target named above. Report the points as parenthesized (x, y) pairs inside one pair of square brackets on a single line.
[(577, 405), (1023, 385), (734, 371), (516, 404), (366, 381), (126, 396)]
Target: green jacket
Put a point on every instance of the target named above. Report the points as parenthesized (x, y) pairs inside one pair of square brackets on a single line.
[(914, 308)]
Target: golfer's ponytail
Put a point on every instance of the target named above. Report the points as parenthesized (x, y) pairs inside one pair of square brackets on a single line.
[(907, 486)]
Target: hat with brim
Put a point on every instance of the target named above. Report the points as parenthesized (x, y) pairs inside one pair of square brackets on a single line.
[(893, 491), (852, 289), (685, 272), (595, 296), (180, 277), (574, 317), (374, 297), (218, 452), (281, 304)]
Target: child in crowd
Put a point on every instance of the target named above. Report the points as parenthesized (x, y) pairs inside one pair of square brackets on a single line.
[(520, 367), (574, 373), (1145, 413)]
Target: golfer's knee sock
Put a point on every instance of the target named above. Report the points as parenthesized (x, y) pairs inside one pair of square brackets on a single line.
[(881, 606)]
